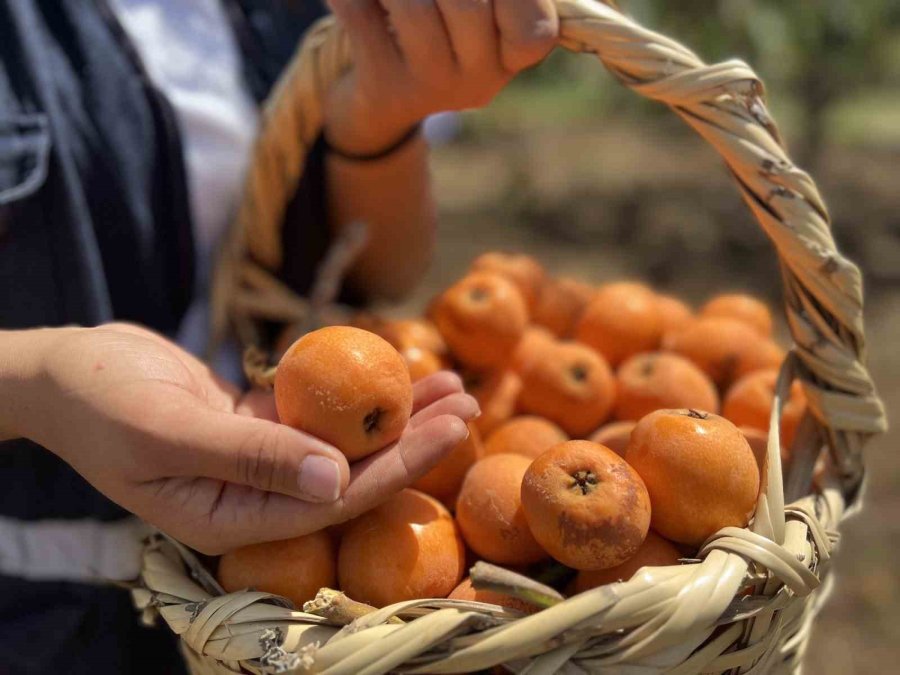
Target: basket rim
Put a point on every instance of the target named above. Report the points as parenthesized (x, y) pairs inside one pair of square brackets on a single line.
[(176, 586)]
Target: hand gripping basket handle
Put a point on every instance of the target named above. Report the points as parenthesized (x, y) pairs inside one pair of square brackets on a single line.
[(724, 103)]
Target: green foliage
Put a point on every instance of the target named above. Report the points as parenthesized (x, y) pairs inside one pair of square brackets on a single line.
[(785, 40), (816, 51), (811, 54)]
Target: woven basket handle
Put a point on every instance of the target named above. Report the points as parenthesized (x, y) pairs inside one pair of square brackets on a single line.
[(724, 103)]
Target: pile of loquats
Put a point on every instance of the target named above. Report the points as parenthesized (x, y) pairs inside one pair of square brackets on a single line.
[(619, 429)]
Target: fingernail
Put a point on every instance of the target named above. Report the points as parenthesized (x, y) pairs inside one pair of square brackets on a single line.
[(461, 429), (477, 406), (319, 479), (455, 376)]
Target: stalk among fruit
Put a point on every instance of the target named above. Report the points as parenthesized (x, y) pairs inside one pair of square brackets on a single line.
[(619, 429)]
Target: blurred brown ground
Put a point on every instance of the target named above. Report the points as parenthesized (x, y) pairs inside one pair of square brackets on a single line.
[(638, 200)]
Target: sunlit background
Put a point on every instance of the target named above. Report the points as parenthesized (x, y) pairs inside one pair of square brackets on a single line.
[(571, 167)]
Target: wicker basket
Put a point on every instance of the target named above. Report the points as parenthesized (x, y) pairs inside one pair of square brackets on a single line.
[(697, 617)]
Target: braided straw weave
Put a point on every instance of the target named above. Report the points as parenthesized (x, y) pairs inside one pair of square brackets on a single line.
[(697, 617)]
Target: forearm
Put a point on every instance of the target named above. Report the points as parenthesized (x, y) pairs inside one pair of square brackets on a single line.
[(21, 358), (410, 61), (393, 197)]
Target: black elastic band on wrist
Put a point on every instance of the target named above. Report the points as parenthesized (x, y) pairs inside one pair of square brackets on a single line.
[(403, 141)]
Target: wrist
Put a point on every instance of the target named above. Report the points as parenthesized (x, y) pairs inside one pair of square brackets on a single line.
[(369, 143), (355, 127), (410, 137), (22, 378)]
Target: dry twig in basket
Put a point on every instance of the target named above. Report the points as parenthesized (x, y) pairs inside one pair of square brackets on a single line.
[(303, 314), (339, 609)]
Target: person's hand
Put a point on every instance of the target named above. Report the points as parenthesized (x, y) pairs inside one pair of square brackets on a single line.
[(152, 428), (418, 57)]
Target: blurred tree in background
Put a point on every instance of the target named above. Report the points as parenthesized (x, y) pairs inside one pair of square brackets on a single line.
[(812, 54), (572, 156), (818, 51)]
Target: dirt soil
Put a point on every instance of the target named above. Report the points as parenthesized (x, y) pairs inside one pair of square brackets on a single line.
[(626, 202)]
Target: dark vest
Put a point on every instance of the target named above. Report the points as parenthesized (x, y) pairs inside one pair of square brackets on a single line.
[(95, 226)]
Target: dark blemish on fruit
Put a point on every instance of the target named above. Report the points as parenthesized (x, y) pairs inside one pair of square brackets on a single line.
[(478, 294), (579, 372), (372, 420), (624, 475), (584, 482), (618, 531), (648, 367)]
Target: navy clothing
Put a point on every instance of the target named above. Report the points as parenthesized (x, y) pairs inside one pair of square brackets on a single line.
[(95, 226)]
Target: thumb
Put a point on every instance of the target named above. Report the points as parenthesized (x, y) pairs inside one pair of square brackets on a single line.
[(261, 454)]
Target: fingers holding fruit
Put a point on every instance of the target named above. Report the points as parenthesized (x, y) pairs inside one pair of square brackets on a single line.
[(353, 388), (435, 387), (221, 516), (165, 438), (249, 452), (418, 451)]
